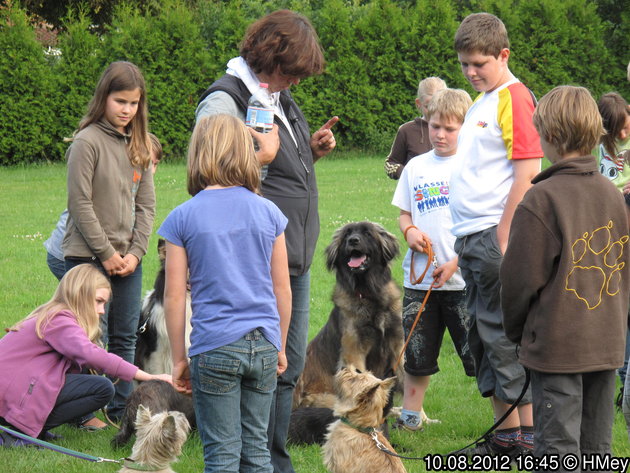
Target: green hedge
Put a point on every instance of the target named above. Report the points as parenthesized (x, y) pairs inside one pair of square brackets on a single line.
[(376, 53)]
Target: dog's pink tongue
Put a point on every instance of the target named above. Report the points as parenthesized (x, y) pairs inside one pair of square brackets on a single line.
[(356, 261)]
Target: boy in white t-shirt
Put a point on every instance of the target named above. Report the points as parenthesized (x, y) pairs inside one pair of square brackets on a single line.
[(501, 154), (422, 194)]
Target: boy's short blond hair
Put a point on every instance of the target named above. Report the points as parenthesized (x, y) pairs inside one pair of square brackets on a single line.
[(568, 119), (430, 86), (449, 103), (481, 33)]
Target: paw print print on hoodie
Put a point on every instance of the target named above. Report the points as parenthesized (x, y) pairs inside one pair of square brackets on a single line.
[(596, 267)]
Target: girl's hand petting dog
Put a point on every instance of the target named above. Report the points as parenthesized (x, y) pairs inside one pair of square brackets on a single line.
[(282, 363), (163, 377)]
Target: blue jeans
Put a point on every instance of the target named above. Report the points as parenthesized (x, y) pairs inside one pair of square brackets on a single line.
[(297, 340), (56, 266), (81, 395), (232, 391), (119, 325)]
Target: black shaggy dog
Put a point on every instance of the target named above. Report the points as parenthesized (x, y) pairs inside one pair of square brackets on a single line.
[(365, 326), (157, 396), (153, 350)]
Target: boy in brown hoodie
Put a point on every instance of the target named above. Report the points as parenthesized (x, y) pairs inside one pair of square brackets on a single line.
[(565, 283)]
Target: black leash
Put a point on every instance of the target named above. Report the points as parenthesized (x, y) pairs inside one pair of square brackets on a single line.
[(485, 436), (503, 417)]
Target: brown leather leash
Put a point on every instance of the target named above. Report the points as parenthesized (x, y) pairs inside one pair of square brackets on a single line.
[(431, 260)]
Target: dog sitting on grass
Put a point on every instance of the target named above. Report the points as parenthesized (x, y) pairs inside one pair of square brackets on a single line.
[(158, 443), (351, 440)]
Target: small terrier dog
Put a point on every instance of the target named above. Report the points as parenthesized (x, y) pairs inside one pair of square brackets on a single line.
[(158, 396), (351, 443), (159, 441)]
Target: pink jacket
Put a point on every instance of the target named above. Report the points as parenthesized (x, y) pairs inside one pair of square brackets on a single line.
[(32, 370)]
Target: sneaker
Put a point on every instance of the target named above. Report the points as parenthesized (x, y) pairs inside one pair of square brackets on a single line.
[(9, 441), (523, 451), (487, 447), (400, 424)]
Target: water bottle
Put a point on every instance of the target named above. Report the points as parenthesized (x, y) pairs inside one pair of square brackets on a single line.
[(260, 115)]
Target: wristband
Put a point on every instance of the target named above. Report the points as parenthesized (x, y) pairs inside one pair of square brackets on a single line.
[(407, 229)]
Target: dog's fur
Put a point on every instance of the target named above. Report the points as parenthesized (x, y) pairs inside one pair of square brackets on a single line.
[(159, 440), (365, 326), (361, 399), (153, 350), (308, 425), (158, 396)]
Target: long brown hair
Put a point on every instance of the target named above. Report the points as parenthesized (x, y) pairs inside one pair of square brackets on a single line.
[(76, 292), (221, 152), (614, 110), (123, 75)]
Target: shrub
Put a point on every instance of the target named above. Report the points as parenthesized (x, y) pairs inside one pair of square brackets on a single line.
[(76, 74), (165, 43), (26, 117)]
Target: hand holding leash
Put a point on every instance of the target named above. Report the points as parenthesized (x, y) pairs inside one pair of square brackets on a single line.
[(431, 260)]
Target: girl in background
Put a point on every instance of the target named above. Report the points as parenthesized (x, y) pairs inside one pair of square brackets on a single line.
[(111, 205), (229, 242), (41, 384), (614, 163), (614, 149)]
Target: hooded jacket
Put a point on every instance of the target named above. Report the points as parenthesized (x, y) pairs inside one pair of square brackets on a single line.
[(565, 278), (110, 202), (33, 369)]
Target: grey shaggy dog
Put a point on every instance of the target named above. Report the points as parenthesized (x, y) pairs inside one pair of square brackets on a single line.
[(158, 442), (158, 396)]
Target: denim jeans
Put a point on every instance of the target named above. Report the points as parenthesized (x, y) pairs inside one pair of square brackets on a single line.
[(119, 325), (81, 395), (297, 340), (232, 390), (56, 266)]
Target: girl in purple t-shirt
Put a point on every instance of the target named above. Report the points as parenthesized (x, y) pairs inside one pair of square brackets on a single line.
[(228, 243)]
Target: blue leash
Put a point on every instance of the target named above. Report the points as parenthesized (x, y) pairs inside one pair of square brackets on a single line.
[(57, 448)]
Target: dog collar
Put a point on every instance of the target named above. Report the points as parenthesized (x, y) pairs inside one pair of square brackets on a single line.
[(365, 430), (134, 465)]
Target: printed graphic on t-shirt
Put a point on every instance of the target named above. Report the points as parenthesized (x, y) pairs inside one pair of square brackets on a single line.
[(431, 196), (596, 267), (611, 168)]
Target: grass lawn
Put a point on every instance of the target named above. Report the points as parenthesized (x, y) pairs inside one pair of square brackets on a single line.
[(350, 190)]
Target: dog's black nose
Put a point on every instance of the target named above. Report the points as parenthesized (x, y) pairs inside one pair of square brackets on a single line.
[(353, 240)]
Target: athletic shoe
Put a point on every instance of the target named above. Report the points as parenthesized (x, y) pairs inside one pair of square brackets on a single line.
[(489, 447), (400, 424), (9, 441)]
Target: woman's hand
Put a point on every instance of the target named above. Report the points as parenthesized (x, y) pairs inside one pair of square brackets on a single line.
[(323, 140), (268, 144)]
